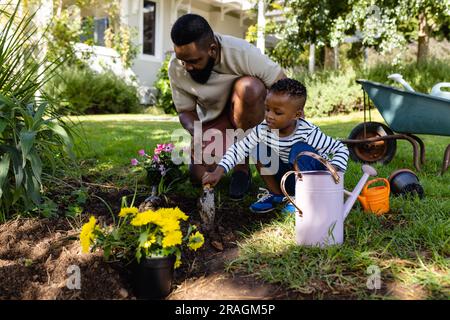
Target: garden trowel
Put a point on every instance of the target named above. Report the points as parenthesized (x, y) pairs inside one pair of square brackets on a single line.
[(207, 207)]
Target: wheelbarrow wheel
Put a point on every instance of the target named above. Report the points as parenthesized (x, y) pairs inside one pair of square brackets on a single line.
[(381, 151)]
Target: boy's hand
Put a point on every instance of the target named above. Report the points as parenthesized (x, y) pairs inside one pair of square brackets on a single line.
[(214, 177)]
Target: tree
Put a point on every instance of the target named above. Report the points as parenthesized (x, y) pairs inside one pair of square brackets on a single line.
[(431, 18), (395, 22), (313, 23)]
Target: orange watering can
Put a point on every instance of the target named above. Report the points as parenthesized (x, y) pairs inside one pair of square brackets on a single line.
[(375, 199)]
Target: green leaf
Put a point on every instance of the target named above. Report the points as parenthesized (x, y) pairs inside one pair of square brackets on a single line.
[(107, 252), (3, 124), (36, 165), (60, 131), (143, 237), (17, 167), (138, 254), (32, 187), (40, 111), (4, 168), (26, 143), (37, 118)]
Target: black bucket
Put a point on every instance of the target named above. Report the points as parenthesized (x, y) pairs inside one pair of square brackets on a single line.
[(404, 182), (152, 277)]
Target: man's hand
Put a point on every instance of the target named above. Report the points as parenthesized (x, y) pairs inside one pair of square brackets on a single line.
[(214, 177)]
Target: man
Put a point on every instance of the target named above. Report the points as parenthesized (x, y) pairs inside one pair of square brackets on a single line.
[(220, 81)]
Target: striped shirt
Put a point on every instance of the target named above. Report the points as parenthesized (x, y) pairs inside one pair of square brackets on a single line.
[(330, 149)]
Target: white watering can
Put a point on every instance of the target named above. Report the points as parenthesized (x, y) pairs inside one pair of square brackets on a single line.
[(435, 91), (319, 199)]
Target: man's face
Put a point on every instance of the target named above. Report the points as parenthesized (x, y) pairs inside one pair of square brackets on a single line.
[(198, 61)]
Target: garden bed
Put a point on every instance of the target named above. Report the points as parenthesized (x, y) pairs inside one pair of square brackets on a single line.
[(36, 254)]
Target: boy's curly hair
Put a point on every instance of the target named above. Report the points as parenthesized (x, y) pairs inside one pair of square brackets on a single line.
[(291, 87)]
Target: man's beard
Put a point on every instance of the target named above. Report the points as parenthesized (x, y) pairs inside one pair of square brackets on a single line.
[(202, 76)]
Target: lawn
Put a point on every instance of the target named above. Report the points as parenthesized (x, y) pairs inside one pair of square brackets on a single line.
[(409, 246)]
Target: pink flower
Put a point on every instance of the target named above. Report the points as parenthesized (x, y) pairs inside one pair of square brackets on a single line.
[(159, 148), (168, 147), (134, 162), (141, 152), (156, 158)]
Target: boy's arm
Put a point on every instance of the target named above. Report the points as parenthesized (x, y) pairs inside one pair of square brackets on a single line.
[(240, 150), (326, 145), (235, 154)]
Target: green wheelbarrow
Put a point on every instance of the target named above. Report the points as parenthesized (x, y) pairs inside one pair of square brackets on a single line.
[(406, 114)]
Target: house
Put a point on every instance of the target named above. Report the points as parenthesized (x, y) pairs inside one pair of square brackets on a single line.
[(154, 19)]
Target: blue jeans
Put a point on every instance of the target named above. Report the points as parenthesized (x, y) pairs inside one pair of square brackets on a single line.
[(304, 163)]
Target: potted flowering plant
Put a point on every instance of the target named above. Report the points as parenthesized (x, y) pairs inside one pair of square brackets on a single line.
[(160, 168), (150, 242)]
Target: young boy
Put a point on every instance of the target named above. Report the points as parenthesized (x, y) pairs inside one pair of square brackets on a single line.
[(285, 133)]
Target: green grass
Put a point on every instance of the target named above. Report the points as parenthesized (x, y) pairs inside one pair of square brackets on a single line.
[(107, 143), (410, 245)]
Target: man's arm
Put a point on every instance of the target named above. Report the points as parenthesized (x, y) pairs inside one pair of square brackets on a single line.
[(187, 119)]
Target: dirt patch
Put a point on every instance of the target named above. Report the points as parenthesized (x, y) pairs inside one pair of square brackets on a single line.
[(39, 257)]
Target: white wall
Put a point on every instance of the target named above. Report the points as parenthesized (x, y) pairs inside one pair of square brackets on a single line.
[(146, 67), (230, 25)]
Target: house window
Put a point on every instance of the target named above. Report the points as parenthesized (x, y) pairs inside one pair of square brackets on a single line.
[(100, 26), (149, 29), (93, 30)]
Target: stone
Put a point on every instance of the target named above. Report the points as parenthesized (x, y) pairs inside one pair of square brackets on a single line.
[(217, 245)]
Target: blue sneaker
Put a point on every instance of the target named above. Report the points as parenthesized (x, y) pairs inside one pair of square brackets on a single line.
[(289, 209), (266, 202)]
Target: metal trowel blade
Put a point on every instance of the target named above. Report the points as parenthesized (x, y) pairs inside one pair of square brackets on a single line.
[(207, 207)]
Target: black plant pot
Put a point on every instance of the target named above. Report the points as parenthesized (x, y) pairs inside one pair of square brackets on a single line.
[(405, 183), (152, 277)]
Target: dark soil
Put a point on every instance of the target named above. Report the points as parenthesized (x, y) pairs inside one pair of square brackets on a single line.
[(36, 256)]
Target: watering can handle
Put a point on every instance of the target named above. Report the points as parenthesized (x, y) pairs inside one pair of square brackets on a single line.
[(299, 175), (377, 180), (283, 189), (328, 165)]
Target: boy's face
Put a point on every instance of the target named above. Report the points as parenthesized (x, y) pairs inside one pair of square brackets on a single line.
[(282, 109)]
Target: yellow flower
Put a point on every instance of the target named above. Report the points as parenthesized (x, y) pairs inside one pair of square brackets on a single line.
[(177, 263), (169, 225), (87, 235), (143, 218), (196, 240), (172, 239), (174, 213), (150, 241), (126, 211)]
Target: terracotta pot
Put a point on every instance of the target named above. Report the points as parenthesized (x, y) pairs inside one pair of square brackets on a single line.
[(404, 182), (152, 277)]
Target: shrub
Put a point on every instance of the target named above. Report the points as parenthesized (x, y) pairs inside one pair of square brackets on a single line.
[(83, 91), (422, 77), (32, 137), (331, 92), (162, 85)]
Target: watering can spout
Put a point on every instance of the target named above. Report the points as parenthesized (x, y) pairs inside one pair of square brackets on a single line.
[(352, 196)]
